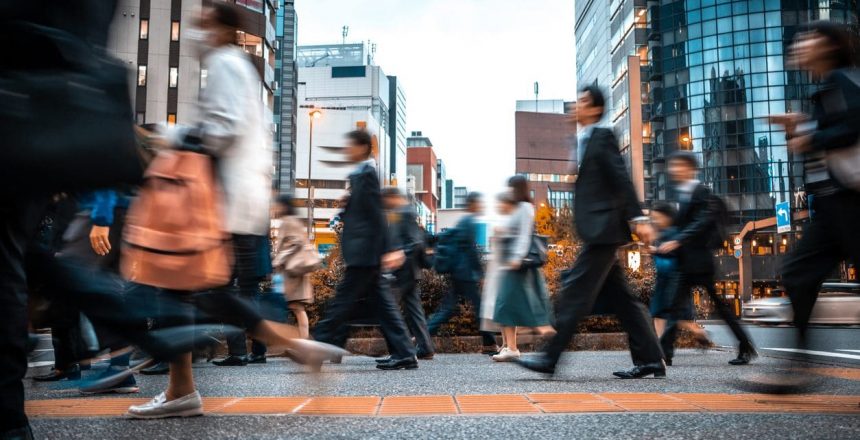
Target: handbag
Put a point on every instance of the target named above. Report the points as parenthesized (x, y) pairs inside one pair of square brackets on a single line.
[(66, 117), (536, 257), (299, 258), (844, 163)]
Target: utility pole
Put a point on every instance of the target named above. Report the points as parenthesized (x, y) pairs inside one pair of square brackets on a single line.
[(537, 91), (345, 32)]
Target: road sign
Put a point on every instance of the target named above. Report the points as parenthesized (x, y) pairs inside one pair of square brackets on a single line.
[(737, 241), (783, 217), (739, 253)]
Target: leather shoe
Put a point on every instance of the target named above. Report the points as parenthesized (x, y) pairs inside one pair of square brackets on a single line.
[(384, 360), (745, 356), (255, 359), (640, 371), (399, 364), (668, 362), (71, 373), (426, 356), (231, 361), (538, 363)]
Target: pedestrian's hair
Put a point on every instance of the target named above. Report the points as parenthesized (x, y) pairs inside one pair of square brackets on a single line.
[(519, 189), (473, 197), (665, 208), (286, 201), (361, 138), (227, 15), (596, 95), (845, 43), (685, 156)]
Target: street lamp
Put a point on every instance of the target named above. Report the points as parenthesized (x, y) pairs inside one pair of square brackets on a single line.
[(686, 141), (314, 114)]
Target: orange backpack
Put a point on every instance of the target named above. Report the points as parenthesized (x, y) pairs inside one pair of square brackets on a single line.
[(174, 236)]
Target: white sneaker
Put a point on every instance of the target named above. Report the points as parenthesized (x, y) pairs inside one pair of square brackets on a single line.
[(159, 408), (507, 355)]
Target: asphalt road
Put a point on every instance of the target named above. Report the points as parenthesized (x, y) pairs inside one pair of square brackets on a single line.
[(834, 345)]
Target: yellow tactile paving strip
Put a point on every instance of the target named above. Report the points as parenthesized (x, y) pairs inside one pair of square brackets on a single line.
[(537, 403)]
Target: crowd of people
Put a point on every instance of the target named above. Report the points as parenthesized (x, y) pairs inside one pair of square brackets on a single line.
[(150, 289)]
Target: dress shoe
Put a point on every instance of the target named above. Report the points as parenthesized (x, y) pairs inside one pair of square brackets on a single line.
[(23, 433), (159, 408), (668, 362), (426, 356), (640, 371), (490, 350), (384, 360), (157, 369), (745, 356), (231, 361), (399, 364), (255, 359), (71, 373), (538, 363)]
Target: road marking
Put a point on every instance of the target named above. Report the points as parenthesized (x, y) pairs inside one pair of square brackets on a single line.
[(849, 351), (815, 352)]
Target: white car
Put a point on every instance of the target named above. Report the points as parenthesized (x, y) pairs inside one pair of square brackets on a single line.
[(838, 303)]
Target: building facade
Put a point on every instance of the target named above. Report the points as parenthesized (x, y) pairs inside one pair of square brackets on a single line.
[(285, 99), (441, 179), (592, 44), (717, 68), (544, 146), (448, 201), (397, 126), (460, 195), (421, 166)]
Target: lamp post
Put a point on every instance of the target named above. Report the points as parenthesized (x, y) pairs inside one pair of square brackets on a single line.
[(314, 114)]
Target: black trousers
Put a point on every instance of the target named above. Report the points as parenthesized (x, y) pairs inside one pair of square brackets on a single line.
[(830, 238), (413, 314), (451, 306), (19, 220), (596, 273), (247, 275), (686, 282), (364, 284)]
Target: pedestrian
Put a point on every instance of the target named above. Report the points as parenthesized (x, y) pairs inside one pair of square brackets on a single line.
[(827, 140), (495, 268), (408, 235), (698, 224), (522, 299), (466, 273), (604, 202), (666, 264), (366, 253), (291, 240)]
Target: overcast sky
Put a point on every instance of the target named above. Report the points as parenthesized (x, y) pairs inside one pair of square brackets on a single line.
[(463, 65)]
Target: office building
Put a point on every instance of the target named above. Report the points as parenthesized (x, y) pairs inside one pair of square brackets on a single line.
[(544, 147), (285, 104), (441, 178), (460, 195), (421, 163), (591, 29), (717, 68), (396, 126), (448, 189)]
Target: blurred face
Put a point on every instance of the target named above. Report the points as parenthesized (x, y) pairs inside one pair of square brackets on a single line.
[(505, 208), (356, 152), (476, 207), (585, 112), (681, 171), (810, 51), (660, 220), (392, 202)]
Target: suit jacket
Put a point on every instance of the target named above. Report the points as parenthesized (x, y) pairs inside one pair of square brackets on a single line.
[(604, 197), (468, 266), (364, 238), (406, 235), (696, 223)]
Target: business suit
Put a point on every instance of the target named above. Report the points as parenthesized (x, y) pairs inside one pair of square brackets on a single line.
[(365, 239), (604, 202), (466, 275), (407, 236), (696, 223)]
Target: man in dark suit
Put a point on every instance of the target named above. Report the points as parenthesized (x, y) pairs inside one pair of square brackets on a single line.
[(408, 236), (466, 274), (365, 248), (604, 202), (698, 226)]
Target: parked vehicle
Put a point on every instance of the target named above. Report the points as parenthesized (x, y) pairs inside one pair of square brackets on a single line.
[(838, 303)]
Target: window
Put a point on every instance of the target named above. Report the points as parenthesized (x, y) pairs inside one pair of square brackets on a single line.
[(144, 29), (174, 31), (141, 75), (171, 119), (173, 78)]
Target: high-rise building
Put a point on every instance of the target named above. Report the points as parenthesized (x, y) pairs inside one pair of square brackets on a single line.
[(285, 103), (717, 68), (460, 195), (397, 125), (345, 91), (149, 35), (591, 29), (543, 152), (449, 194), (441, 178), (421, 163)]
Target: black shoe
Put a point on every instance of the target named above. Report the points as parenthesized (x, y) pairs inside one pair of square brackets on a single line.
[(537, 363), (231, 361), (157, 369), (255, 359), (426, 356), (668, 362), (17, 434), (71, 373), (399, 364), (384, 360), (490, 350), (640, 371), (745, 356)]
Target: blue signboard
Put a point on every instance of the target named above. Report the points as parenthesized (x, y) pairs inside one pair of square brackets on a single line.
[(783, 217)]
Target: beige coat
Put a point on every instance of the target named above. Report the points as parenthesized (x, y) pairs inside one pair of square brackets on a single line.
[(293, 232)]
